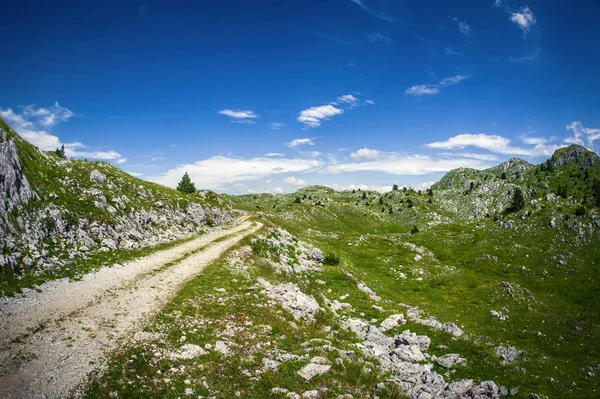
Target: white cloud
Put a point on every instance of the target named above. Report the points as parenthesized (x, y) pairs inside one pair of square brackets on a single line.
[(430, 89), (297, 142), (582, 135), (524, 18), (277, 126), (378, 37), (134, 174), (313, 116), (218, 171), (373, 11), (121, 160), (294, 182), (370, 102), (243, 116), (493, 143), (158, 159), (274, 154), (483, 157), (497, 3), (463, 27), (404, 164), (365, 153), (420, 90), (47, 117), (453, 80), (32, 123), (277, 190), (348, 99)]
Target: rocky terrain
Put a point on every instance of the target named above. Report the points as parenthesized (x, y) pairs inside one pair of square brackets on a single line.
[(59, 213)]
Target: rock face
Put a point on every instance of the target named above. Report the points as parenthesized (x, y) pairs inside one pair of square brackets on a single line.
[(575, 154), (512, 166), (69, 210)]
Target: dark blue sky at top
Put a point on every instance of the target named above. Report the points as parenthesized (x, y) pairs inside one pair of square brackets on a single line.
[(141, 76)]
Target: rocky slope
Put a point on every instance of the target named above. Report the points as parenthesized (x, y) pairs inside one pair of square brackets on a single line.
[(55, 212)]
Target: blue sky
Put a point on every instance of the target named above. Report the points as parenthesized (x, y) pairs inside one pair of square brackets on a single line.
[(272, 95)]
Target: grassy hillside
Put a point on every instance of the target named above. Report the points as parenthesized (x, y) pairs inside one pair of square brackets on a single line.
[(86, 214), (536, 268)]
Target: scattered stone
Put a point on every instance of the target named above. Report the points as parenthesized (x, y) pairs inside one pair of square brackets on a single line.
[(188, 351), (302, 306), (312, 370), (97, 176), (507, 354), (392, 322), (451, 360)]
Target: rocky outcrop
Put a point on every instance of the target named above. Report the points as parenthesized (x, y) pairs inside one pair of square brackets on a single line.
[(574, 154), (92, 208), (512, 166)]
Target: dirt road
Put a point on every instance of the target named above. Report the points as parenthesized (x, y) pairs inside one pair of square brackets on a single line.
[(51, 340)]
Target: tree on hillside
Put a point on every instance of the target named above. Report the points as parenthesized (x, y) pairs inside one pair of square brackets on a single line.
[(518, 201), (364, 195), (503, 176), (562, 191), (186, 185), (596, 192), (395, 187), (61, 152)]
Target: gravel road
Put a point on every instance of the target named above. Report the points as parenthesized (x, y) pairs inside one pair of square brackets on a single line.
[(51, 340)]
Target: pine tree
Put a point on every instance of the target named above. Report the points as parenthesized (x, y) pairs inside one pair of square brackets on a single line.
[(186, 185), (61, 152), (518, 201), (395, 187)]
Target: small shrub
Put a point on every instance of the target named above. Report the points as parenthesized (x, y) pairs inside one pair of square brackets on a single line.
[(297, 200), (414, 229), (580, 211), (331, 259)]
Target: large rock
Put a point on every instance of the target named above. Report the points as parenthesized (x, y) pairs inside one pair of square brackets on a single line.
[(302, 306), (97, 176), (312, 370)]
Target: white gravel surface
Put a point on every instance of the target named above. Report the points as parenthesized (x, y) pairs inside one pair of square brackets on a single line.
[(51, 340)]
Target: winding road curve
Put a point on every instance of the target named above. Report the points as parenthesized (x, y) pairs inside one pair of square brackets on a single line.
[(51, 340)]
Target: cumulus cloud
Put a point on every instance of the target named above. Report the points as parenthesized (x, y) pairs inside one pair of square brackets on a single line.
[(219, 171), (244, 116), (297, 142), (524, 18), (312, 117), (365, 153), (430, 89), (294, 181), (32, 124)]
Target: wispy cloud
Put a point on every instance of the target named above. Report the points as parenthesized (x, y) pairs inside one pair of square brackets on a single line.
[(276, 126), (33, 124), (297, 142), (531, 57), (449, 51), (274, 154), (374, 11), (430, 89), (582, 135), (378, 37), (463, 27), (242, 116)]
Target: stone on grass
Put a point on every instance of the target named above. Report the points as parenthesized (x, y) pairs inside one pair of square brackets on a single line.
[(312, 370)]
